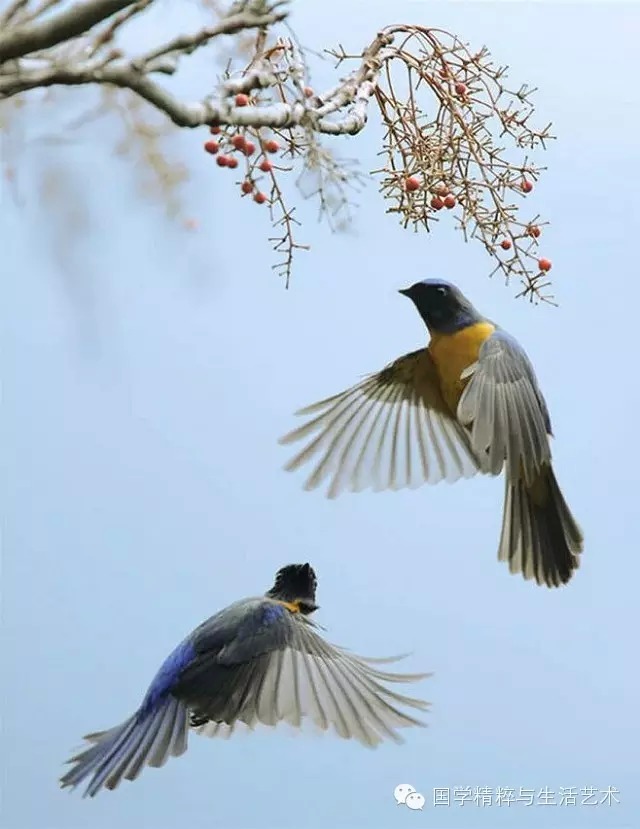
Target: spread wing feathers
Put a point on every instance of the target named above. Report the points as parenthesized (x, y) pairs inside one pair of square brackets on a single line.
[(505, 410), (308, 678), (123, 751), (220, 730), (390, 431)]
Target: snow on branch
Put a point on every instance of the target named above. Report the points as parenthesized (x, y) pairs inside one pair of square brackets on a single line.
[(455, 141)]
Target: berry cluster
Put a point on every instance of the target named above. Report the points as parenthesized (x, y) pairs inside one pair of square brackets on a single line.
[(227, 146), (443, 197), (453, 147)]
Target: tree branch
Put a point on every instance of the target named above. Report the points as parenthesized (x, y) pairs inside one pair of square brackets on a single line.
[(74, 21), (441, 107), (15, 7), (196, 114), (186, 44), (354, 91), (107, 34)]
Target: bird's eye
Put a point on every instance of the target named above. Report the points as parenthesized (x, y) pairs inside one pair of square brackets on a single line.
[(442, 290)]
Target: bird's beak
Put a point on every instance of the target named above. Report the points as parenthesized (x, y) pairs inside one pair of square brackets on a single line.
[(405, 291)]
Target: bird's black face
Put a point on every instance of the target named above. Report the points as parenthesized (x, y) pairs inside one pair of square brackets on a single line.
[(440, 304), (296, 583), (307, 607)]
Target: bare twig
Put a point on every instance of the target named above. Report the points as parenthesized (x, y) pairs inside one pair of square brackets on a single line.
[(445, 111), (72, 22), (15, 7), (450, 159), (106, 36), (186, 44), (44, 7)]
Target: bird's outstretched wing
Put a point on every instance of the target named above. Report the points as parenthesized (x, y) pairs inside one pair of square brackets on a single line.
[(505, 411), (288, 673), (390, 431)]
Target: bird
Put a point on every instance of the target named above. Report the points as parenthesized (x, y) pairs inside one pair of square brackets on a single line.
[(469, 402), (262, 661)]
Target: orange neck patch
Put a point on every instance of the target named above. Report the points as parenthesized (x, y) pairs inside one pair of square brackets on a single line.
[(292, 607)]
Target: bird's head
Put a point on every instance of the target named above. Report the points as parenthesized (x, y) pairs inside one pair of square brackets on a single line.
[(296, 583), (442, 306)]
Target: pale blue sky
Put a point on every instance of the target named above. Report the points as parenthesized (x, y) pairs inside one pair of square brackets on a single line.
[(144, 393)]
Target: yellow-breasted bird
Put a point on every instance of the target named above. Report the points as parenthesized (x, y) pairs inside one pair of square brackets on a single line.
[(469, 402)]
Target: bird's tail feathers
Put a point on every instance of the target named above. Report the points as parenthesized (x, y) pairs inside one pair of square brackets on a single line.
[(540, 537), (123, 751)]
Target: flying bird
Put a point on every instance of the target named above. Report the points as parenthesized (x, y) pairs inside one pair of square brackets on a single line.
[(258, 661), (469, 402)]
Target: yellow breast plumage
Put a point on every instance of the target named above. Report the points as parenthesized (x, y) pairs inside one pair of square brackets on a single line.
[(452, 353)]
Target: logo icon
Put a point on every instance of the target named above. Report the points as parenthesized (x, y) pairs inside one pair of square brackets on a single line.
[(414, 801), (406, 795)]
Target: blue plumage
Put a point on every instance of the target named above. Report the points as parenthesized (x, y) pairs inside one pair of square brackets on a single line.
[(436, 283), (159, 728), (271, 613), (166, 677), (258, 660)]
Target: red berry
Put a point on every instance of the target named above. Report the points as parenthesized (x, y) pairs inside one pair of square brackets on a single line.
[(211, 147), (441, 190), (259, 198), (238, 141), (249, 148), (461, 89), (449, 202), (241, 99), (271, 146), (223, 160), (505, 244), (437, 203), (308, 92), (266, 166), (215, 130), (232, 162), (526, 185), (411, 184), (534, 231), (544, 264), (444, 73), (246, 186)]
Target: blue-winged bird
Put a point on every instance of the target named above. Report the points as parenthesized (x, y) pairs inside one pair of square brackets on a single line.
[(469, 402), (258, 661)]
